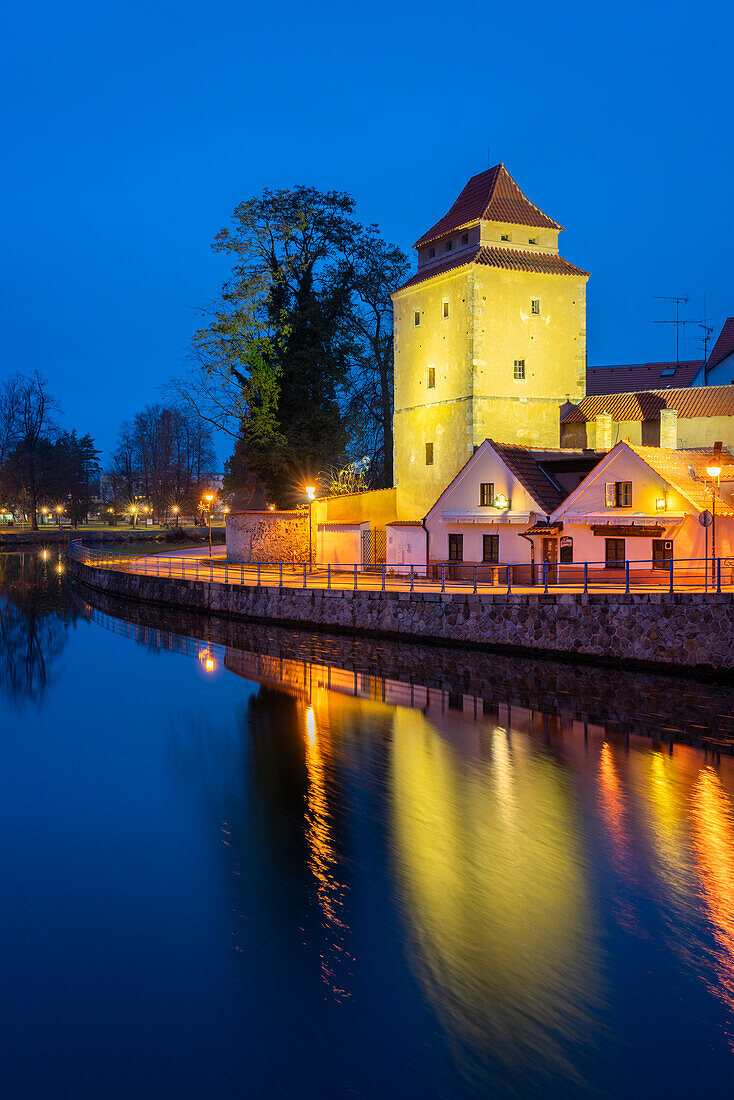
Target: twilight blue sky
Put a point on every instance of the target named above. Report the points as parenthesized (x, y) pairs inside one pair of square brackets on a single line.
[(130, 130)]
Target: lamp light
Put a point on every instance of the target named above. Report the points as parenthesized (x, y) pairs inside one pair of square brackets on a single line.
[(660, 504), (713, 471), (310, 491)]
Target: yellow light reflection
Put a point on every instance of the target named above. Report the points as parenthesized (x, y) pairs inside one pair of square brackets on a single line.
[(713, 836), (488, 858), (323, 857)]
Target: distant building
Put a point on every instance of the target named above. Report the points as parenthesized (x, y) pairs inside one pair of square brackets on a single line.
[(693, 417), (719, 368), (632, 377), (490, 337)]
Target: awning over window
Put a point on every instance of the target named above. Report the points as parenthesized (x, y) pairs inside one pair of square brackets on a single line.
[(487, 518), (544, 529)]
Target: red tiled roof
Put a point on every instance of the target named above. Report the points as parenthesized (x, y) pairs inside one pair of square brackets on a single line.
[(646, 404), (524, 465), (512, 259), (724, 345), (490, 196), (631, 377)]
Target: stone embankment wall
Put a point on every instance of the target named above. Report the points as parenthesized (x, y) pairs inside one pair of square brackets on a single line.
[(688, 630), (268, 536)]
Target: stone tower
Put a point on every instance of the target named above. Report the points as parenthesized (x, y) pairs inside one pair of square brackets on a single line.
[(490, 337)]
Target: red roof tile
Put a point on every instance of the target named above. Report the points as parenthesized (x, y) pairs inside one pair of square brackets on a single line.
[(490, 196), (724, 345), (631, 377), (512, 259), (646, 404)]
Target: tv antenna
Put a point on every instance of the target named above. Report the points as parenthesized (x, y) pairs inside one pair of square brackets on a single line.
[(677, 322)]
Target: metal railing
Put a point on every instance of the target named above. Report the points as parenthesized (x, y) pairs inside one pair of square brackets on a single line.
[(690, 574)]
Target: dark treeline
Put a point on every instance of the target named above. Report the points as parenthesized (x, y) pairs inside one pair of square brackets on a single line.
[(163, 456), (42, 467), (296, 360)]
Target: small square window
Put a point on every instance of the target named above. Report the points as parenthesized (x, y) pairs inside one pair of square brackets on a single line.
[(431, 378), (417, 317), (535, 306), (429, 454), (465, 238), (431, 253), (519, 369), (505, 237), (449, 245), (456, 547), (532, 240), (486, 494), (445, 307)]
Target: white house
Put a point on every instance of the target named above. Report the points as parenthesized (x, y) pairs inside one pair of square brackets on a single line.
[(483, 516), (642, 505)]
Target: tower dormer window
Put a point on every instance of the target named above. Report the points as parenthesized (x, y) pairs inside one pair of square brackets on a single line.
[(535, 307), (465, 238), (416, 317), (519, 370), (504, 236), (431, 253), (532, 240), (449, 245), (431, 378), (445, 307)]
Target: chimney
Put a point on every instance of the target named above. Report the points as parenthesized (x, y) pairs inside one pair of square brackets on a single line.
[(669, 428), (603, 432)]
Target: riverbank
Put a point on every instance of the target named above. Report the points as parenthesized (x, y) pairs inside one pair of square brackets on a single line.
[(689, 631), (10, 538)]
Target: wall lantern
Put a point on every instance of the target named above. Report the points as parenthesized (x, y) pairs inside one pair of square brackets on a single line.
[(660, 504)]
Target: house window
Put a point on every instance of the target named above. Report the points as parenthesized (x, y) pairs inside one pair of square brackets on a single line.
[(486, 494), (491, 549), (662, 553), (623, 494), (456, 547), (445, 307), (431, 378), (535, 306), (417, 317), (614, 552), (429, 454), (532, 240), (431, 253), (504, 236), (519, 371), (465, 238), (449, 245)]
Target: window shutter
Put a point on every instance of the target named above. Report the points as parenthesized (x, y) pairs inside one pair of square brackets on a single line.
[(610, 495)]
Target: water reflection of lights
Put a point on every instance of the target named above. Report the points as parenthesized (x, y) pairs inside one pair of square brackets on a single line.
[(206, 657), (323, 858), (488, 858), (713, 835)]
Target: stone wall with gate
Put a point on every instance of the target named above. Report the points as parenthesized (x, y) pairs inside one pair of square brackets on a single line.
[(280, 536)]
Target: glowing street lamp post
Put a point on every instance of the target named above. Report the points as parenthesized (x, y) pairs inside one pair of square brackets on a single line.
[(209, 497), (311, 494), (714, 473), (175, 512), (59, 510)]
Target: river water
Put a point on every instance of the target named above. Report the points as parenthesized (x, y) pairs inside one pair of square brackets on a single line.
[(245, 861)]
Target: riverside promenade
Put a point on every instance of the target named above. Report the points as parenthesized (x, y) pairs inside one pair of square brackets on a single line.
[(691, 629)]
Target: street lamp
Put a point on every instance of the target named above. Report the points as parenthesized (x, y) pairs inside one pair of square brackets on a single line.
[(44, 513), (175, 512), (59, 510), (133, 511), (311, 494), (209, 497), (714, 473)]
